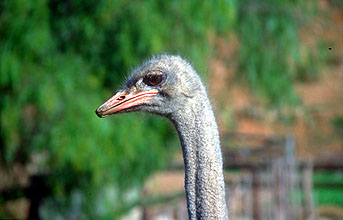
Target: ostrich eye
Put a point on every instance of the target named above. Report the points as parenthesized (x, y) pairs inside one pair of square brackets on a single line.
[(153, 80)]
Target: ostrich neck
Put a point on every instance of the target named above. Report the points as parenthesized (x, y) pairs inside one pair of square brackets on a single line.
[(204, 181)]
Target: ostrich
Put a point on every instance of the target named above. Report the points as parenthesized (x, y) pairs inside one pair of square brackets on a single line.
[(168, 86)]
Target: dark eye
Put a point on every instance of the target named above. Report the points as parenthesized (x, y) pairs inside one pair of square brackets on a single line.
[(153, 80)]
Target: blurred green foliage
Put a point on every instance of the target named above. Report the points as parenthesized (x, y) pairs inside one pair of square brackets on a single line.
[(328, 195), (271, 56), (337, 124), (328, 177), (60, 59)]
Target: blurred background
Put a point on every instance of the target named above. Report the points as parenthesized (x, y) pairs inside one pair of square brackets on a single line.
[(274, 72)]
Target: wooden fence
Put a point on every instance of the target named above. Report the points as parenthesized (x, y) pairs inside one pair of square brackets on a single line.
[(280, 191), (263, 179)]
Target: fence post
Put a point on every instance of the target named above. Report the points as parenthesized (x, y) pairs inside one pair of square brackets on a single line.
[(256, 197), (309, 211), (291, 176)]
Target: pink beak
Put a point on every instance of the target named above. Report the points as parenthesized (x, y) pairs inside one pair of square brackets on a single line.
[(122, 101)]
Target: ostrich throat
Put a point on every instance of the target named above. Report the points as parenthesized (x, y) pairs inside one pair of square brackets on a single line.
[(204, 181)]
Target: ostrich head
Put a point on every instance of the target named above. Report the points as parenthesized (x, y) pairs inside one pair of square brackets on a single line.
[(163, 85), (168, 86)]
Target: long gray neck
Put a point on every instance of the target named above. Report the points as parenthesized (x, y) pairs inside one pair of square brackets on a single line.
[(204, 181)]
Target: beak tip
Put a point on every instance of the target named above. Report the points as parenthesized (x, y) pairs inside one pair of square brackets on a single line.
[(98, 113)]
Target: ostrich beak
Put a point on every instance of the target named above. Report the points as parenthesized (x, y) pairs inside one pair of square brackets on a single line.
[(122, 101)]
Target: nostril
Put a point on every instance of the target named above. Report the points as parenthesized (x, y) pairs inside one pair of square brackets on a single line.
[(121, 98)]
